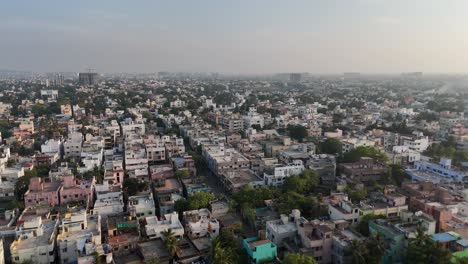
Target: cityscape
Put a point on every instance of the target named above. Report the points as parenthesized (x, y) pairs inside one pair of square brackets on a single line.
[(231, 158)]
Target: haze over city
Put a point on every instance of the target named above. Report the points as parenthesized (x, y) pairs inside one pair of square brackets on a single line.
[(264, 36)]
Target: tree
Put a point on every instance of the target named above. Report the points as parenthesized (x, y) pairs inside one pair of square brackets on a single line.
[(422, 249), (362, 151), (220, 254), (181, 206), (133, 186), (22, 185), (226, 249), (358, 252), (200, 200), (303, 183), (330, 146), (297, 132), (376, 248), (356, 195), (296, 258), (182, 174), (363, 226), (170, 242), (398, 174)]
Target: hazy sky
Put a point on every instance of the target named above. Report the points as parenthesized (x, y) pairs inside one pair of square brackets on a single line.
[(236, 36)]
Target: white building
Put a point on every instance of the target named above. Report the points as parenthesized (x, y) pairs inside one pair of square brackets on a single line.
[(154, 228), (417, 143), (136, 160), (199, 223), (50, 94), (280, 173), (436, 173), (73, 145), (177, 103), (52, 147), (109, 200), (92, 153), (352, 143), (277, 231), (35, 241), (133, 127), (80, 236), (253, 118), (141, 206)]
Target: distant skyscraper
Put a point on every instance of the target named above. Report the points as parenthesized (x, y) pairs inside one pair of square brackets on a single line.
[(88, 78), (295, 77)]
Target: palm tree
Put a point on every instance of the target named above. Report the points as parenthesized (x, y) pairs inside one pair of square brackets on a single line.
[(358, 252), (220, 255), (170, 242), (376, 247)]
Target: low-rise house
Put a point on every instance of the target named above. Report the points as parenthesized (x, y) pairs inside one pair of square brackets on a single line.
[(35, 241), (316, 240), (285, 228), (109, 201), (325, 166), (123, 234), (155, 228), (234, 181), (366, 169), (259, 249), (141, 206), (154, 249), (200, 223), (394, 240)]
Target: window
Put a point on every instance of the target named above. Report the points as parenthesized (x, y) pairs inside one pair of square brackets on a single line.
[(64, 250)]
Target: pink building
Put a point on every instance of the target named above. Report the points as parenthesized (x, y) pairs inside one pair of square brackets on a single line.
[(42, 193), (74, 190)]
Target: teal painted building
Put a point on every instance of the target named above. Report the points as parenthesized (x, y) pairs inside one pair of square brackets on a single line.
[(395, 240), (259, 250)]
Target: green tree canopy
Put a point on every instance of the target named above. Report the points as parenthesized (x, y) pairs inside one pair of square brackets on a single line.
[(298, 132), (330, 146), (355, 154), (296, 258)]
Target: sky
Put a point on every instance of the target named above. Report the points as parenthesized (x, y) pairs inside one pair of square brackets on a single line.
[(235, 36)]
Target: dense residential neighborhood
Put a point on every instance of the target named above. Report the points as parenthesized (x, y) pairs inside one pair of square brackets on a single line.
[(200, 168)]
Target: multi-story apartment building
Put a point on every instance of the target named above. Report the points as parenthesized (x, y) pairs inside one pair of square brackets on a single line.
[(35, 241), (277, 175), (80, 236), (42, 193)]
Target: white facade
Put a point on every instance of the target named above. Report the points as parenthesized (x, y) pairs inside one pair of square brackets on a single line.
[(35, 241), (141, 206), (418, 144), (80, 235), (436, 173), (199, 223), (108, 202), (253, 118), (155, 228), (280, 173)]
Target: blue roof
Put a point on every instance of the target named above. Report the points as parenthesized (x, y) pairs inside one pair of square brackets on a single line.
[(444, 237), (463, 242)]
